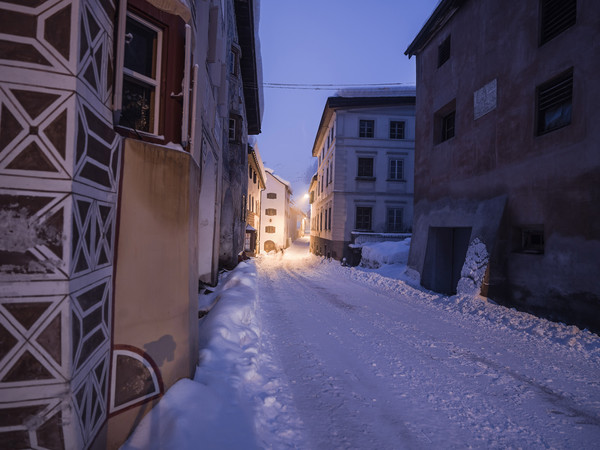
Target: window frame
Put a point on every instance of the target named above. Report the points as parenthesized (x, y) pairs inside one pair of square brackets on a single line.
[(554, 22), (363, 128), (270, 229), (358, 167), (270, 211), (122, 71), (396, 228), (360, 217), (549, 87), (448, 132), (271, 195), (394, 132), (444, 51), (394, 171)]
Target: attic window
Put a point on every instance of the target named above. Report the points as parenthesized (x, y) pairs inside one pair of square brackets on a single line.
[(556, 17), (444, 51)]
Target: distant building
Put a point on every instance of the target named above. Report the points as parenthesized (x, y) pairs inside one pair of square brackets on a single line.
[(256, 184), (364, 181), (244, 118), (507, 153), (275, 215)]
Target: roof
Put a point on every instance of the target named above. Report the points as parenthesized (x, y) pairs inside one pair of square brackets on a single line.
[(442, 13), (255, 155), (250, 62), (335, 103), (281, 180)]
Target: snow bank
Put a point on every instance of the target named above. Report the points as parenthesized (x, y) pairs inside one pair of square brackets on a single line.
[(376, 254), (474, 268), (235, 400)]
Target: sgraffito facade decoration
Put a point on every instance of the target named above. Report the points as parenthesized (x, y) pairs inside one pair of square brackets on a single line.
[(60, 164)]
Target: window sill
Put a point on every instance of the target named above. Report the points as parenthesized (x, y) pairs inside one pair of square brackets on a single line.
[(393, 180), (366, 178)]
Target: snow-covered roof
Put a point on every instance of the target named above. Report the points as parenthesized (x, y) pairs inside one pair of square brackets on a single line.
[(253, 150), (278, 178)]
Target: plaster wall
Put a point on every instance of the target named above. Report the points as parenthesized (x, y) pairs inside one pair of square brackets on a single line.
[(549, 180), (156, 277), (279, 221)]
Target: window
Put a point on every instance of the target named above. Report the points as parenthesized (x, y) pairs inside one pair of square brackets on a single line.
[(556, 16), (532, 239), (327, 177), (269, 229), (554, 101), (396, 129), (232, 126), (394, 220), (234, 62), (141, 75), (363, 217), (250, 172), (271, 195), (270, 212), (444, 52), (366, 128), (396, 169), (448, 126), (254, 177), (365, 167), (325, 219), (329, 224)]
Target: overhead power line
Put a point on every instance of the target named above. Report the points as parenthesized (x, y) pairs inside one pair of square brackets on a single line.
[(328, 86)]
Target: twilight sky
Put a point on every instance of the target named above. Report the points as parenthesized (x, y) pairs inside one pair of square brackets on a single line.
[(326, 42)]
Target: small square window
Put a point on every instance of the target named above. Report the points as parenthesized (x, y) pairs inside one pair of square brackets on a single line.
[(269, 229), (532, 239), (366, 129), (554, 103), (396, 129), (365, 167), (270, 212), (444, 52), (271, 195)]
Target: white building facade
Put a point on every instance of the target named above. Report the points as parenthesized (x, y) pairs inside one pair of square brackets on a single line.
[(364, 182), (275, 213)]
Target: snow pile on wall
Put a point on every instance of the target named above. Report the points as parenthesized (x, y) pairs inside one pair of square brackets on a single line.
[(228, 404), (376, 254), (473, 270)]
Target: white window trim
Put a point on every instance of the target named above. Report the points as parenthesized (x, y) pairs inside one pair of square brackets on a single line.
[(121, 70)]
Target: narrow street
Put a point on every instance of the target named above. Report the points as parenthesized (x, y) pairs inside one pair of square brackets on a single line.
[(372, 367)]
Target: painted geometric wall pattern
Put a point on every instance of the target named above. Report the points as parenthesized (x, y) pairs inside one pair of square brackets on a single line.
[(34, 226), (36, 34), (37, 126), (34, 340), (92, 235), (90, 399), (90, 323), (97, 150), (32, 424), (61, 159), (95, 55)]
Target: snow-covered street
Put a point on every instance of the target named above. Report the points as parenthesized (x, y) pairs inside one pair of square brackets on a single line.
[(326, 356)]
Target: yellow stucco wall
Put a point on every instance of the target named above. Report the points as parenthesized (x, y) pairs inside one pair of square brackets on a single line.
[(156, 283)]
